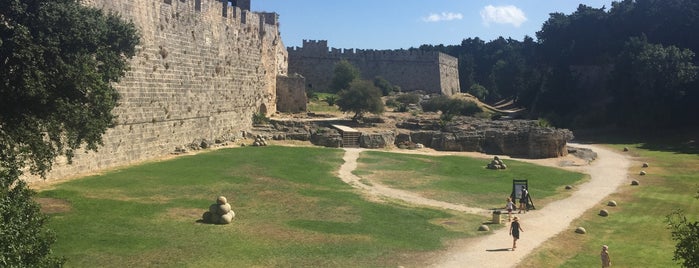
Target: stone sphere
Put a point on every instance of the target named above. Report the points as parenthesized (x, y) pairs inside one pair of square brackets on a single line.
[(569, 187), (604, 213), (223, 209), (634, 183), (221, 200), (207, 217), (580, 230), (227, 218), (626, 149), (483, 228), (645, 165), (642, 173), (611, 203), (213, 208)]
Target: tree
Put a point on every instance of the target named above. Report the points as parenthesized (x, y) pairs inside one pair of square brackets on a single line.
[(478, 91), (649, 81), (57, 62), (361, 97), (344, 74), (385, 86), (450, 107), (687, 236)]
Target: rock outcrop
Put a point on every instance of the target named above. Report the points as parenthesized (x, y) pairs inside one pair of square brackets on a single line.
[(519, 138)]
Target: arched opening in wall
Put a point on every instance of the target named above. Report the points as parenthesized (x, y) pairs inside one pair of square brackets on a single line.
[(263, 109)]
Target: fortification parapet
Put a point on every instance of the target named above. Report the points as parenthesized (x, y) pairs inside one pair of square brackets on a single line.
[(412, 70)]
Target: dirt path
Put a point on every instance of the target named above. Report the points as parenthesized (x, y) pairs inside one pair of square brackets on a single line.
[(607, 173)]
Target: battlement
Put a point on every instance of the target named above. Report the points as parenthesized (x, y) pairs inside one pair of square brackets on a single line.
[(319, 48), (411, 69)]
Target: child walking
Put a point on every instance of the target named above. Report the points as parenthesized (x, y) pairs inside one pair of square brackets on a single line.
[(510, 207)]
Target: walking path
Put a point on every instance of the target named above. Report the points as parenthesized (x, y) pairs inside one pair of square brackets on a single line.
[(607, 172)]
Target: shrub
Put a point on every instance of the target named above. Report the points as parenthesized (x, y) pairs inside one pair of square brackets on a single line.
[(408, 98), (450, 107), (331, 100), (259, 118)]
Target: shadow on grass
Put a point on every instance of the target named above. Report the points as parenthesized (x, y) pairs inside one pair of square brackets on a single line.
[(684, 141)]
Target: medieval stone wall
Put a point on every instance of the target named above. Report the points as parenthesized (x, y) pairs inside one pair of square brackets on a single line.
[(431, 72), (291, 94), (202, 70)]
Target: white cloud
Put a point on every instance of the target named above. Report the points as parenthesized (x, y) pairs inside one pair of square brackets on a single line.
[(503, 15), (444, 16)]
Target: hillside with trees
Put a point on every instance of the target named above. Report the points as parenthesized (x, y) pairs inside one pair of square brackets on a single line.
[(631, 65)]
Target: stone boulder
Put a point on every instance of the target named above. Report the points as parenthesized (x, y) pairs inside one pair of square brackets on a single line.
[(376, 140), (327, 137)]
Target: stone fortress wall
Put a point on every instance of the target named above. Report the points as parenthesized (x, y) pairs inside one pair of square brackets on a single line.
[(431, 72), (202, 70)]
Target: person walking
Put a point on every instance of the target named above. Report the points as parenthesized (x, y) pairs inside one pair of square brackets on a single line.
[(515, 228), (510, 207), (523, 200), (604, 255)]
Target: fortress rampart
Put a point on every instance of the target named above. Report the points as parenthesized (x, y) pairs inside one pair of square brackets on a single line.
[(431, 72), (202, 70)]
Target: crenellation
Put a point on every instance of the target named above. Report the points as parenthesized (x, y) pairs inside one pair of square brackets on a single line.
[(412, 70)]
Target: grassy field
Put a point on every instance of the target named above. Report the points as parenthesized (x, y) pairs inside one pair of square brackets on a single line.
[(464, 180), (635, 231), (291, 211)]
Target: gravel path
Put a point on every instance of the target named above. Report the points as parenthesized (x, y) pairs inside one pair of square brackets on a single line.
[(607, 173)]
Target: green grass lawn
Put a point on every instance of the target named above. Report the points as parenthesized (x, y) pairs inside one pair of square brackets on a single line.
[(464, 180), (321, 106), (635, 231), (291, 211)]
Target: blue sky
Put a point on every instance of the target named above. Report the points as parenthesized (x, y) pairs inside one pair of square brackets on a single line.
[(395, 24)]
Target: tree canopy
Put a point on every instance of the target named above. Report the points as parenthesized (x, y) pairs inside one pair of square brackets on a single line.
[(588, 68), (57, 62), (361, 97), (343, 75)]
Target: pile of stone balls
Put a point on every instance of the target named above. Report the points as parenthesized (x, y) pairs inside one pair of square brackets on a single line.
[(259, 141), (497, 164), (219, 213)]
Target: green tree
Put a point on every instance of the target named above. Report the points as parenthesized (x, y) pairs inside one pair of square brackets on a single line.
[(450, 107), (385, 86), (478, 91), (361, 97), (649, 80), (686, 234), (343, 76), (57, 62)]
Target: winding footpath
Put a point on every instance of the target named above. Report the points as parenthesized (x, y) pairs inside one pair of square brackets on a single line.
[(607, 173)]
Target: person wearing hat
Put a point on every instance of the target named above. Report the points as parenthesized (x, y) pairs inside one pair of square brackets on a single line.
[(515, 228), (604, 255)]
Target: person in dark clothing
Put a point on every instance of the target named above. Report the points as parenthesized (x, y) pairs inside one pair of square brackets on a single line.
[(523, 200), (515, 228)]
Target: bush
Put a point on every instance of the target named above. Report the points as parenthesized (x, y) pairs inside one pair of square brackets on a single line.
[(450, 107), (331, 100), (259, 118), (408, 98)]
